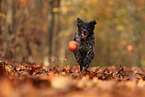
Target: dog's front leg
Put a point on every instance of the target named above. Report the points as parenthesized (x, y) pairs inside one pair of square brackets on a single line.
[(79, 59), (88, 59)]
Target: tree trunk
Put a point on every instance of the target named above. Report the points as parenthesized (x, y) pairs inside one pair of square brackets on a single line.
[(9, 48), (0, 30), (53, 27), (136, 55)]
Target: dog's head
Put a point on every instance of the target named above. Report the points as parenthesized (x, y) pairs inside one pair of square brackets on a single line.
[(85, 29)]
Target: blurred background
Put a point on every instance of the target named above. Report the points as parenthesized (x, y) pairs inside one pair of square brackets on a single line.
[(39, 30)]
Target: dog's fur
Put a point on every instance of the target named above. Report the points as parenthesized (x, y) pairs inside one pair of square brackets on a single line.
[(85, 39)]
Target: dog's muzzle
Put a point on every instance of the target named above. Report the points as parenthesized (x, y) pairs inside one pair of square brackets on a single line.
[(85, 33)]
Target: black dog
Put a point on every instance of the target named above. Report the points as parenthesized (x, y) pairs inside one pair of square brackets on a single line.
[(85, 39)]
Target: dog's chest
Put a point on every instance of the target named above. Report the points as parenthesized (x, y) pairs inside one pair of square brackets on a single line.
[(85, 45)]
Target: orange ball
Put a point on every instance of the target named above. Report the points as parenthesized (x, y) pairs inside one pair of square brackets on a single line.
[(72, 45)]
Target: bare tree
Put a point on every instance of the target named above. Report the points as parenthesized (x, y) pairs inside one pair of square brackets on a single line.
[(0, 30), (136, 54), (9, 37), (53, 27)]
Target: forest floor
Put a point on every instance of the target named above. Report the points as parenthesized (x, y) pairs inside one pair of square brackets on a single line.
[(31, 80)]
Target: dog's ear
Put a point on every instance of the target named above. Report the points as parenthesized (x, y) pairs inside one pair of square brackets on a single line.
[(93, 22), (79, 21)]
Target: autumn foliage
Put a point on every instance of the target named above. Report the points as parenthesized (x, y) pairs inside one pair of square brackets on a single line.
[(33, 28), (25, 79), (36, 33)]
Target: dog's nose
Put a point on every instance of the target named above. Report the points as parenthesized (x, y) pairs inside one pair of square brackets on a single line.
[(85, 32)]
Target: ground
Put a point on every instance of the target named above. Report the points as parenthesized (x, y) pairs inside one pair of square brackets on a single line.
[(31, 80)]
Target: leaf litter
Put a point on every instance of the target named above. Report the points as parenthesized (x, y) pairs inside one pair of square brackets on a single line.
[(31, 80)]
